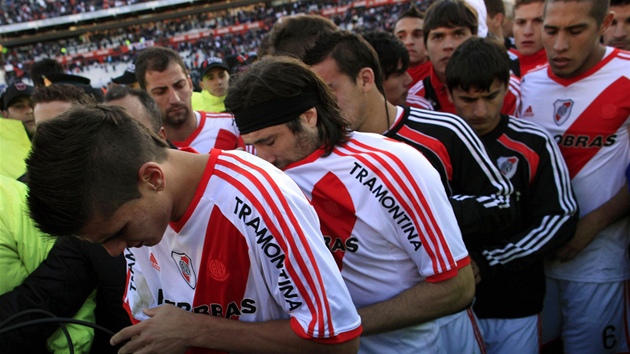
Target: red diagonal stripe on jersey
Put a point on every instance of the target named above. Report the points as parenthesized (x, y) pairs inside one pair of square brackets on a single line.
[(226, 140), (224, 267), (419, 210), (603, 117), (337, 213), (317, 284), (530, 155), (432, 144)]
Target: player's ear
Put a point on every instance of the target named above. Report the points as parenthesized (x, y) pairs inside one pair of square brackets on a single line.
[(151, 177), (366, 79), (608, 19), (309, 117)]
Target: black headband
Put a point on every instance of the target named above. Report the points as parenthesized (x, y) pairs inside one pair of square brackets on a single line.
[(273, 112)]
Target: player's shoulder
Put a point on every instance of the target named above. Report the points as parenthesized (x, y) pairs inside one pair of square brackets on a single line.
[(529, 128)]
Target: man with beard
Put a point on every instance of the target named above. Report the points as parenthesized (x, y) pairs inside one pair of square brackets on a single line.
[(162, 73)]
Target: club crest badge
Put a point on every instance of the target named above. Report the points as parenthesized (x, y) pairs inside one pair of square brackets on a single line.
[(185, 266), (507, 165), (562, 111)]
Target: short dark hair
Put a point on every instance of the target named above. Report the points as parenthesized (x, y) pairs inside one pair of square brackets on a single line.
[(450, 14), (599, 8), (619, 2), (518, 3), (293, 35), (411, 12), (476, 63), (62, 92), (156, 59), (273, 78), (149, 104), (42, 67), (351, 52), (84, 164), (494, 7), (390, 50)]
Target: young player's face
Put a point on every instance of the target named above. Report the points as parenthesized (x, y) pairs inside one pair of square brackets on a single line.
[(172, 90), (349, 96), (22, 110), (618, 34), (441, 43), (481, 109), (571, 38), (45, 111), (280, 146), (216, 81), (396, 86), (527, 28), (409, 31), (139, 222)]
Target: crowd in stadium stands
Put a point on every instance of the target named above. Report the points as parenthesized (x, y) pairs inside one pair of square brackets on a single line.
[(17, 11), (222, 46)]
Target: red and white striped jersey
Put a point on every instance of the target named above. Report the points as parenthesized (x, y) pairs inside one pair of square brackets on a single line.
[(589, 116), (389, 224), (248, 248), (214, 131)]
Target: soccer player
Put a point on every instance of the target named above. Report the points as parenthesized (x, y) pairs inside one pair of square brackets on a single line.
[(215, 79), (527, 29), (382, 211), (235, 248), (408, 29), (447, 24), (479, 194), (508, 263), (393, 58), (618, 34), (162, 73), (581, 98)]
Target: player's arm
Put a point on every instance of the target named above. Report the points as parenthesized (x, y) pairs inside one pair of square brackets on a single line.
[(423, 302), (173, 330), (483, 199), (592, 223), (553, 212)]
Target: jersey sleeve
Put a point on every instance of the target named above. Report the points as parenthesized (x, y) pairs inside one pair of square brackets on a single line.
[(551, 216)]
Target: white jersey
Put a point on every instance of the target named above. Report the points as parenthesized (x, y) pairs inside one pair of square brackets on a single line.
[(388, 222), (214, 131), (588, 116), (248, 248)]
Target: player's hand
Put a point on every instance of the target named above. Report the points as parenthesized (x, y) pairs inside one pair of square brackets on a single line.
[(167, 331), (475, 270), (584, 234)]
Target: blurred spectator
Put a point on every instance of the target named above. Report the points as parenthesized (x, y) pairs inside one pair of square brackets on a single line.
[(128, 78), (16, 104), (215, 78)]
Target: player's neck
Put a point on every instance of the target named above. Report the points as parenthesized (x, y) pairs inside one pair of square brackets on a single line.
[(380, 114), (182, 131), (183, 173)]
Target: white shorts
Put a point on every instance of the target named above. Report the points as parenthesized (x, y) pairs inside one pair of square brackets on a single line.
[(511, 335), (591, 318), (460, 333)]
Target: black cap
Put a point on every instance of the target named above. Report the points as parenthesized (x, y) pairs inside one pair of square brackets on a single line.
[(212, 62), (128, 77), (61, 78), (14, 91)]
